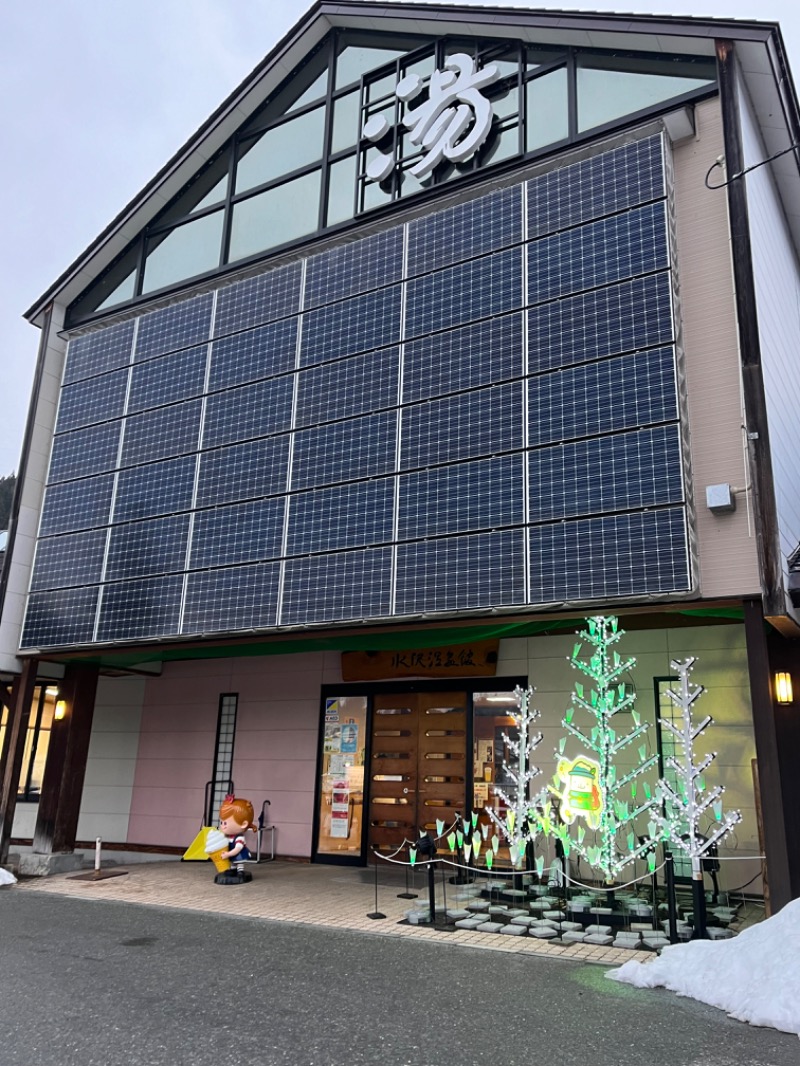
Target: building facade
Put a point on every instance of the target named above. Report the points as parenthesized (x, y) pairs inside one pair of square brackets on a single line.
[(448, 329)]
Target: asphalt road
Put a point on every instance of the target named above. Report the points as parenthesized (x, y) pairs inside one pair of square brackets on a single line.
[(87, 983)]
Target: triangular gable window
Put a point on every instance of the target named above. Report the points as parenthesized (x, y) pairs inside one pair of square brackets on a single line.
[(305, 161)]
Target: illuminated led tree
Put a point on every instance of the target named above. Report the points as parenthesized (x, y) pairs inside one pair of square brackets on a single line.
[(686, 803), (588, 785), (518, 824)]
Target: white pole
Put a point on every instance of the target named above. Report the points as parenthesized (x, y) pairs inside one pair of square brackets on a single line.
[(97, 855)]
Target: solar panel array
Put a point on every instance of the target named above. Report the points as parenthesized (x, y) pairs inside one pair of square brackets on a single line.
[(476, 409)]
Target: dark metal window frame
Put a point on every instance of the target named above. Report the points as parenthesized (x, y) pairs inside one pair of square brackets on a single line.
[(484, 49)]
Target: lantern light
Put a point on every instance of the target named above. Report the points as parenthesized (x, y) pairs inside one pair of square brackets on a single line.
[(783, 687)]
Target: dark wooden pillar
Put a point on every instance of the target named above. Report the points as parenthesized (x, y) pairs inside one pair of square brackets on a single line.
[(784, 654), (13, 750), (767, 754), (65, 770)]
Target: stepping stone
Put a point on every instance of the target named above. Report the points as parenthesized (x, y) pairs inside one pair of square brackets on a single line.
[(514, 894), (643, 927), (602, 910), (479, 906), (521, 920), (469, 923), (498, 908), (573, 937), (654, 943), (629, 945), (553, 914), (489, 927), (597, 938), (514, 930), (514, 912), (537, 906), (457, 914), (543, 932), (418, 917), (601, 930), (571, 927)]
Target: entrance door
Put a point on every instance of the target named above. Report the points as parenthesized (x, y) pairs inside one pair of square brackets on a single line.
[(418, 767)]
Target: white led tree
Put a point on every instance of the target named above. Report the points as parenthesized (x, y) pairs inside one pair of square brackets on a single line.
[(685, 805), (518, 824), (588, 785)]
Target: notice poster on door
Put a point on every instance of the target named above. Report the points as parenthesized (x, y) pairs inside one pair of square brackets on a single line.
[(340, 809)]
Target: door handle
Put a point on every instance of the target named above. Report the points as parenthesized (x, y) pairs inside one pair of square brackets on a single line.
[(407, 790)]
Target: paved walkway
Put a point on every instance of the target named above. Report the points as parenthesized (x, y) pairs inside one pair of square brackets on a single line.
[(332, 896)]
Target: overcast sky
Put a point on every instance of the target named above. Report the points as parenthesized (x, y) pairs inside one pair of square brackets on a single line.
[(97, 95)]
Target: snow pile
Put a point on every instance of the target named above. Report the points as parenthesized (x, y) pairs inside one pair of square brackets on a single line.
[(6, 878), (755, 976)]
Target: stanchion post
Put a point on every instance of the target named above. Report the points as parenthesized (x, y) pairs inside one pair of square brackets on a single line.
[(672, 907), (431, 891), (376, 913), (407, 894)]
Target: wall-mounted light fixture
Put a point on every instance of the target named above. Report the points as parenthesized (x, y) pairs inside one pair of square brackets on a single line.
[(61, 710), (783, 688)]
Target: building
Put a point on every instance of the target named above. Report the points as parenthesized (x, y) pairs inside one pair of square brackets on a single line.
[(450, 327)]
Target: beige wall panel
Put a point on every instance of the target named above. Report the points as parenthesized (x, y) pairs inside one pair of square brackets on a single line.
[(726, 544)]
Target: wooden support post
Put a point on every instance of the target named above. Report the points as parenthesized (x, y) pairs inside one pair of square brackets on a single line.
[(65, 770), (13, 750), (769, 768)]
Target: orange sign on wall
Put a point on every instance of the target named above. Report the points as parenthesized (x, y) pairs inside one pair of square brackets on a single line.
[(453, 660)]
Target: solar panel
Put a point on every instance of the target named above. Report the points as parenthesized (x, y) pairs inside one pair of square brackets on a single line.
[(347, 516), (181, 325), (76, 505), (97, 400), (95, 353), (154, 489), (354, 268), (616, 555), (435, 418), (457, 573), (334, 588), (258, 353), (354, 325), (173, 377), (241, 533), (348, 387), (264, 298), (242, 597), (467, 230), (157, 546), (162, 433), (73, 559), (139, 609), (480, 354)]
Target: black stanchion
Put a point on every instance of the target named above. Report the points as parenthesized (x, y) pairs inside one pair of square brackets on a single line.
[(431, 892), (376, 913), (672, 906), (407, 894)]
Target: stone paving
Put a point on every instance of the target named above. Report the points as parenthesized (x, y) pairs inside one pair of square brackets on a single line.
[(334, 897)]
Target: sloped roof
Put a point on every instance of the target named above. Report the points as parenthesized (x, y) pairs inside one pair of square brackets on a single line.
[(760, 49)]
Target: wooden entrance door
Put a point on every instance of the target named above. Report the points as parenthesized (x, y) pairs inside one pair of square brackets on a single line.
[(418, 765)]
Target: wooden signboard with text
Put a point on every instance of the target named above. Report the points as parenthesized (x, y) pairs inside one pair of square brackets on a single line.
[(453, 660)]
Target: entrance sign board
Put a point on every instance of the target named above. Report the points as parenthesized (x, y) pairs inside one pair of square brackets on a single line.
[(455, 660)]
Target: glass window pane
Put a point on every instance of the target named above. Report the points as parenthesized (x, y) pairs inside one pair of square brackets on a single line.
[(275, 216), (282, 149), (341, 784), (547, 110), (114, 287), (126, 290), (341, 190), (537, 56), (346, 113), (207, 188), (604, 95), (315, 91), (506, 103), (190, 249), (502, 144), (356, 60)]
